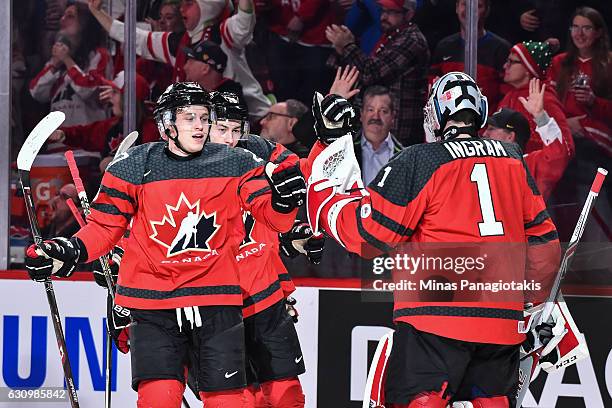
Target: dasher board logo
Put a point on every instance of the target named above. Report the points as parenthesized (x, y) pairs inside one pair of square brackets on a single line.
[(184, 228)]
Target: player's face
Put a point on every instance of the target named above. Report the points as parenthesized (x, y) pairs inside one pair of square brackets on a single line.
[(227, 132), (583, 33), (193, 127), (190, 11), (492, 132), (377, 117), (170, 19), (515, 73)]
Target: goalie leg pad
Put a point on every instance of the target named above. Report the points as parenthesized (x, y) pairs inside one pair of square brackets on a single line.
[(160, 394)]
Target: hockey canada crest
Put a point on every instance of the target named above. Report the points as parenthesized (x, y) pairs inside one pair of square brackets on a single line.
[(184, 228)]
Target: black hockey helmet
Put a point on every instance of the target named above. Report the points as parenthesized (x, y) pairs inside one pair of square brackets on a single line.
[(180, 94), (227, 106)]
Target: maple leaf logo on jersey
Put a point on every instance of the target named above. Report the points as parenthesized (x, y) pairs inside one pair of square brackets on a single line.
[(184, 228)]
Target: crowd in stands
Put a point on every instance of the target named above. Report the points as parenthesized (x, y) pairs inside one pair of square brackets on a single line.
[(545, 67)]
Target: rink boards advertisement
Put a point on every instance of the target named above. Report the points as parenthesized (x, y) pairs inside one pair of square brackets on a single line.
[(338, 333)]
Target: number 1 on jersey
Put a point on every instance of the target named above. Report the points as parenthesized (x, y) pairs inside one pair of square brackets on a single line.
[(489, 226)]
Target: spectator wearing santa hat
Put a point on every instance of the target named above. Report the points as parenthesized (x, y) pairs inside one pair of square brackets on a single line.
[(528, 60)]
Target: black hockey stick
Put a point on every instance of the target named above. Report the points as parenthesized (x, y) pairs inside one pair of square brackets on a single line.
[(25, 158), (127, 142)]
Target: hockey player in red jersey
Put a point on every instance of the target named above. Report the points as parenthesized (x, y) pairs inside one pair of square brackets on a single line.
[(461, 189), (179, 276), (273, 353)]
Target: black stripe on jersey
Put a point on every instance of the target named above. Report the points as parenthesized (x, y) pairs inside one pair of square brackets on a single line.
[(283, 156), (112, 192), (180, 292), (369, 238), (284, 277), (110, 209), (530, 180), (540, 218), (264, 294), (390, 224), (458, 311), (261, 147), (258, 193), (542, 239)]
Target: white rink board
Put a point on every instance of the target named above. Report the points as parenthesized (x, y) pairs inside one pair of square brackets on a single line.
[(82, 306)]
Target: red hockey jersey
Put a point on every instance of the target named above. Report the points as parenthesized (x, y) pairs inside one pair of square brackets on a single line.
[(461, 191), (186, 223), (263, 276)]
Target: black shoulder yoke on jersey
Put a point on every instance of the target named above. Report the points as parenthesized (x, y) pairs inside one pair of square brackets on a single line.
[(413, 167), (149, 162), (263, 148)]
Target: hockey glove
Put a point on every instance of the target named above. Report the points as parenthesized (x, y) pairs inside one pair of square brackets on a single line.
[(544, 332), (57, 256), (118, 319), (291, 310), (114, 261), (334, 117), (299, 240), (288, 186)]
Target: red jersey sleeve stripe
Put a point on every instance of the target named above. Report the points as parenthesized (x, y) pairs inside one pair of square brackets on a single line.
[(150, 45), (165, 47)]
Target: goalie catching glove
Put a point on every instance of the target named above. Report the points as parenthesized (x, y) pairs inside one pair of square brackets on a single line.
[(334, 117), (57, 256), (288, 186), (300, 240), (114, 261)]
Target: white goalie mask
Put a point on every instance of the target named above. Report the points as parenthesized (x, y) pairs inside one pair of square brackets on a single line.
[(450, 94)]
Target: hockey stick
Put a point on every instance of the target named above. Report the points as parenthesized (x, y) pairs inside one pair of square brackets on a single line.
[(34, 142), (126, 143), (529, 362)]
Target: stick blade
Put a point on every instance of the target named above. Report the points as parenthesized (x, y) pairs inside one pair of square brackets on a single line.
[(37, 138), (127, 142)]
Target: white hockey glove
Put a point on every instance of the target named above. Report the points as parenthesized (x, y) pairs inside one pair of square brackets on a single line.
[(334, 117)]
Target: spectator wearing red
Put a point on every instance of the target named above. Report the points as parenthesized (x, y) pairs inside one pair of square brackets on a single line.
[(70, 79), (527, 60), (159, 74), (583, 78), (547, 164), (204, 20), (400, 62), (205, 65), (105, 136), (297, 49), (448, 55)]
